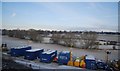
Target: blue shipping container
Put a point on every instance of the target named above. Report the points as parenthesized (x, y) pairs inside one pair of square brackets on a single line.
[(24, 50), (48, 56), (63, 57), (33, 54), (19, 51), (15, 51), (90, 62)]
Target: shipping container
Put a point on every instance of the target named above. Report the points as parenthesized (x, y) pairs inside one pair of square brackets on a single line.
[(33, 54), (90, 62), (24, 48), (63, 57), (19, 51), (48, 56)]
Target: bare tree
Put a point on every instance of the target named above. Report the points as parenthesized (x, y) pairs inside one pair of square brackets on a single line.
[(39, 38), (69, 39), (89, 39), (33, 34), (56, 37)]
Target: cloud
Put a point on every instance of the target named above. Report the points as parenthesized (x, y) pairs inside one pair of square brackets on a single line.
[(13, 14)]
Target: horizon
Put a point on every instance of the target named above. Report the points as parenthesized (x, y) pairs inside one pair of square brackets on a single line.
[(59, 30), (60, 16)]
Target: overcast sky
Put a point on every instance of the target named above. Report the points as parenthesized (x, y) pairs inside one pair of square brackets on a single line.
[(95, 16)]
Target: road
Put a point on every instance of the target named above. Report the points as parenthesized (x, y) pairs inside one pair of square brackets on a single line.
[(99, 54)]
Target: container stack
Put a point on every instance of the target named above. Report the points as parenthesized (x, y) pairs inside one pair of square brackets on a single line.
[(90, 62), (19, 51), (48, 56), (63, 57), (33, 54)]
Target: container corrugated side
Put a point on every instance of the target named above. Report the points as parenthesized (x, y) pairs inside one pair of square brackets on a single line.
[(18, 51), (63, 58), (33, 55), (48, 57), (90, 64)]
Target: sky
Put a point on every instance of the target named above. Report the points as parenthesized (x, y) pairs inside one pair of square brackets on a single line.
[(73, 16)]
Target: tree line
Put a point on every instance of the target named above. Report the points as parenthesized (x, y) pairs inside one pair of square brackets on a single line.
[(23, 34), (86, 38)]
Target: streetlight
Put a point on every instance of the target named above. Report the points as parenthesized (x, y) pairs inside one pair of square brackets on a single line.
[(107, 52)]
